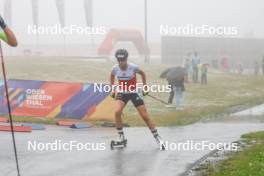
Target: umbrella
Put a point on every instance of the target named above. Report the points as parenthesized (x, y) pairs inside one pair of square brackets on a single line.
[(174, 74)]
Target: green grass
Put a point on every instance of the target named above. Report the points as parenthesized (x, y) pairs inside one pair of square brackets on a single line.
[(254, 136), (223, 92), (249, 162)]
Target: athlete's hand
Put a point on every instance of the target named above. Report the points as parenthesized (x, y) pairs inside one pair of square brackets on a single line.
[(145, 93), (113, 95), (2, 23)]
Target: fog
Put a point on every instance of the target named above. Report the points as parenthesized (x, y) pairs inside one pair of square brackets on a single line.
[(246, 15)]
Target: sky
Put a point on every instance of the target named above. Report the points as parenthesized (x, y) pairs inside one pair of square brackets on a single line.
[(246, 15)]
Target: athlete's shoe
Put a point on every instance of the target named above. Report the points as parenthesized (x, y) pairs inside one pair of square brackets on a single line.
[(121, 142), (121, 138)]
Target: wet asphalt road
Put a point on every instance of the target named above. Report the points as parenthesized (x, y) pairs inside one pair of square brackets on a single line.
[(141, 157)]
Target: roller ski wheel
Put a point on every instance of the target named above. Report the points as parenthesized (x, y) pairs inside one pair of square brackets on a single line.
[(118, 144)]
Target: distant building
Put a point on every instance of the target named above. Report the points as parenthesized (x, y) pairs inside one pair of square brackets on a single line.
[(174, 49)]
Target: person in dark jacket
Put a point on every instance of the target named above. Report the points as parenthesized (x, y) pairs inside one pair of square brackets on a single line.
[(204, 71), (175, 77)]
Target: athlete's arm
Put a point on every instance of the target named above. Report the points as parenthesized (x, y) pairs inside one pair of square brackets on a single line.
[(112, 82), (144, 81), (112, 79), (8, 36), (11, 38), (143, 76)]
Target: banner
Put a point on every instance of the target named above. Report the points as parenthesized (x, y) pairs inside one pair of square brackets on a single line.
[(60, 4), (56, 100), (35, 12), (8, 12), (88, 10)]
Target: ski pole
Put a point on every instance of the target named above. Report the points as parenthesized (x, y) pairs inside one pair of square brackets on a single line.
[(157, 99), (9, 108)]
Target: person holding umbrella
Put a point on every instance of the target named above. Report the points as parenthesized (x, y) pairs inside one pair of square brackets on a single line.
[(175, 77)]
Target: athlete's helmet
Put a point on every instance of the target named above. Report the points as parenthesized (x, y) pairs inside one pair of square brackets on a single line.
[(121, 54)]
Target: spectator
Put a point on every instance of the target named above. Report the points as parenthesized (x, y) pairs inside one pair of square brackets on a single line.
[(195, 63), (240, 68), (225, 64), (204, 71), (175, 77), (256, 68), (188, 67), (215, 63)]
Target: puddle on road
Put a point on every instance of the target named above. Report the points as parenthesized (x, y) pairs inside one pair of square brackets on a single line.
[(254, 111)]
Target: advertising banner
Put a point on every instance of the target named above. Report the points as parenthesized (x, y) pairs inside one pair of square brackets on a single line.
[(56, 100)]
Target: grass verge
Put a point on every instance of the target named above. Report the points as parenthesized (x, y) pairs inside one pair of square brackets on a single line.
[(249, 162)]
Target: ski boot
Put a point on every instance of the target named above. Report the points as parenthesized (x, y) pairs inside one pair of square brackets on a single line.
[(120, 143)]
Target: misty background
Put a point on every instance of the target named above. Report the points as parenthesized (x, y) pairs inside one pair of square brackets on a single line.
[(246, 15)]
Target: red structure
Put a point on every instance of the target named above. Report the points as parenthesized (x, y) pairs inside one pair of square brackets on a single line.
[(16, 128), (4, 119), (117, 35)]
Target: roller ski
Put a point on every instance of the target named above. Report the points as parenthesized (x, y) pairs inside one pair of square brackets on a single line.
[(120, 143)]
